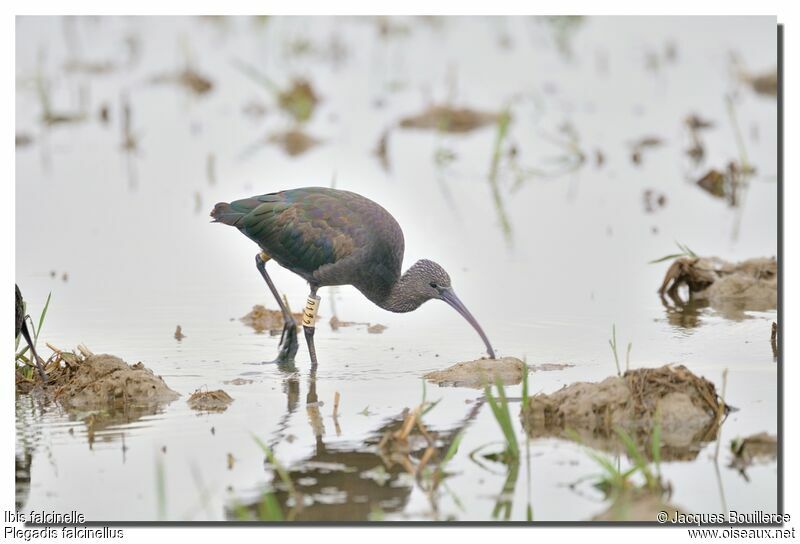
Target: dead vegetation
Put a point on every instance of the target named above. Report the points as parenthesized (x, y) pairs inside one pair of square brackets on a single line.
[(294, 141), (188, 78), (298, 100), (641, 145), (209, 401), (686, 406), (476, 374), (726, 184), (445, 118), (730, 287), (696, 125), (264, 320)]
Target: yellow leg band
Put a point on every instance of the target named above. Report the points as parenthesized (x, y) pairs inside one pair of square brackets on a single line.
[(264, 256), (310, 311)]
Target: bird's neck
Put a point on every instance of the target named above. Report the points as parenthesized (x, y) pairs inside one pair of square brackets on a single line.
[(402, 296)]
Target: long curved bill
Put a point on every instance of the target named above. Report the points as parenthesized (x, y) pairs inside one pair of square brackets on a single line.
[(450, 297)]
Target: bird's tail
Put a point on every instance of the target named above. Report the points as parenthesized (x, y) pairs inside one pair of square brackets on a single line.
[(223, 212)]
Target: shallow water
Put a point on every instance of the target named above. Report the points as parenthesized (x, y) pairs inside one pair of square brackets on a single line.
[(132, 232)]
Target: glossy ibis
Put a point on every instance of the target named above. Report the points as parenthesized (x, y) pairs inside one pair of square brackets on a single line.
[(333, 237), (22, 327)]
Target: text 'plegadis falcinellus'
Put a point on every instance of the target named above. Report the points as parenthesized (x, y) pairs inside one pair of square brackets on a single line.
[(332, 237), (22, 327)]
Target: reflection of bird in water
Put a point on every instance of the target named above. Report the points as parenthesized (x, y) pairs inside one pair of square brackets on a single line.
[(22, 326), (332, 237), (348, 482)]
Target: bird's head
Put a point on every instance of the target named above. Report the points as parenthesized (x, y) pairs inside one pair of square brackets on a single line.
[(428, 280)]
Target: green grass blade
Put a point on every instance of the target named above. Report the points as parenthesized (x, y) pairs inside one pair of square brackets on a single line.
[(41, 318), (270, 509), (279, 468)]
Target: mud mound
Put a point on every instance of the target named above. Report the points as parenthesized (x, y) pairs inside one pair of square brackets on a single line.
[(263, 320), (106, 381), (687, 405), (479, 372), (747, 285), (210, 401)]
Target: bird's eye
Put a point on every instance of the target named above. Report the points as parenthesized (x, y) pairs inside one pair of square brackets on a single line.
[(433, 284)]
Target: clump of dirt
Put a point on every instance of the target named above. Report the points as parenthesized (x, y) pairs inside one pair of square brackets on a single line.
[(478, 373), (449, 119), (263, 320), (210, 401), (294, 141), (755, 449), (685, 405), (105, 382), (731, 287)]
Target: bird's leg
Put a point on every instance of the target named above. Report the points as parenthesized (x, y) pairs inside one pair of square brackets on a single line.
[(309, 323), (288, 344)]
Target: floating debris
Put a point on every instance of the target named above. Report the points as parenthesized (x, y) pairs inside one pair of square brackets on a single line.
[(294, 141), (23, 140), (765, 83), (238, 381), (564, 28), (773, 340), (391, 28), (450, 119), (726, 184), (382, 150), (639, 146), (731, 287), (695, 122), (686, 407), (263, 320), (695, 125), (188, 78), (654, 200), (756, 449), (477, 373), (179, 334), (210, 401), (299, 100)]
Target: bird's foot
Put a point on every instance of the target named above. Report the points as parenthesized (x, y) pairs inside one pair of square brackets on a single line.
[(287, 348)]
